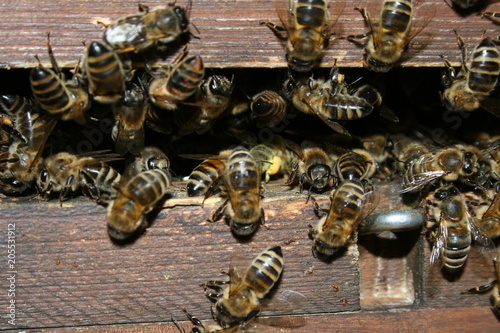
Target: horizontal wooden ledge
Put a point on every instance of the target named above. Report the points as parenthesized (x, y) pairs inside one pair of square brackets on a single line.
[(428, 320), (230, 32)]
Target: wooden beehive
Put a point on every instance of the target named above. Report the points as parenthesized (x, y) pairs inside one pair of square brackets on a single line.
[(71, 277)]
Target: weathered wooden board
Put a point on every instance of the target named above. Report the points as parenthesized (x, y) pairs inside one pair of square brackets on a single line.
[(428, 320), (230, 32), (69, 273)]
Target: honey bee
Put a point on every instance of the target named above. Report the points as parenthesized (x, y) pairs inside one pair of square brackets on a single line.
[(241, 189), (105, 73), (212, 99), (456, 228), (177, 82), (19, 165), (390, 35), (65, 173), (356, 164), (350, 203), (446, 164), (134, 199), (159, 26), (330, 102), (241, 299), (11, 105), (149, 158), (378, 146), (205, 178), (313, 167), (470, 88), (67, 99), (130, 113), (308, 25), (268, 108), (273, 157), (406, 151)]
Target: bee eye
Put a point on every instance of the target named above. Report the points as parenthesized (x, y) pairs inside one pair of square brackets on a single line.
[(151, 164), (44, 176)]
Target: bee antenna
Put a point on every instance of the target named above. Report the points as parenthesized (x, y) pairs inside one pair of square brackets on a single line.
[(176, 323)]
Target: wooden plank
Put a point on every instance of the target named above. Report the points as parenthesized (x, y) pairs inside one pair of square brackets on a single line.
[(428, 320), (69, 273), (230, 32)]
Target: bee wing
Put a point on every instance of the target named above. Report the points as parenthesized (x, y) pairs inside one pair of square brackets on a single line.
[(373, 14), (493, 210), (288, 301), (93, 159), (38, 145), (420, 179), (422, 14), (439, 243), (126, 144), (295, 148), (238, 266), (285, 11), (492, 105), (333, 125), (335, 10), (479, 235), (369, 201)]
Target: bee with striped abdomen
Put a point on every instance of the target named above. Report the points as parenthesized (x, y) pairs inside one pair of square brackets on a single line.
[(241, 299), (157, 27), (350, 203), (308, 25), (241, 188), (391, 32), (470, 88), (134, 199)]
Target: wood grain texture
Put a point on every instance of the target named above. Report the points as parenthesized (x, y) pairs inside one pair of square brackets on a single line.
[(427, 320), (71, 274), (230, 32)]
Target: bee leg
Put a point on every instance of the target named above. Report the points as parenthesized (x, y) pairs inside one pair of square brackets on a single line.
[(277, 29), (263, 219), (481, 289), (52, 58), (219, 213), (317, 208), (293, 174), (301, 182), (463, 49), (143, 8)]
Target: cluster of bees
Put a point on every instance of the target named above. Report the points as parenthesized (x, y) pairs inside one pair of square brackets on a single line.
[(455, 184)]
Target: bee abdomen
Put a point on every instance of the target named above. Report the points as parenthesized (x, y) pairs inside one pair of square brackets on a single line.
[(148, 187), (104, 69), (457, 249), (186, 79), (351, 166), (350, 195), (49, 90), (310, 12), (268, 107), (203, 176), (242, 170), (484, 68), (346, 107), (396, 15), (265, 271)]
